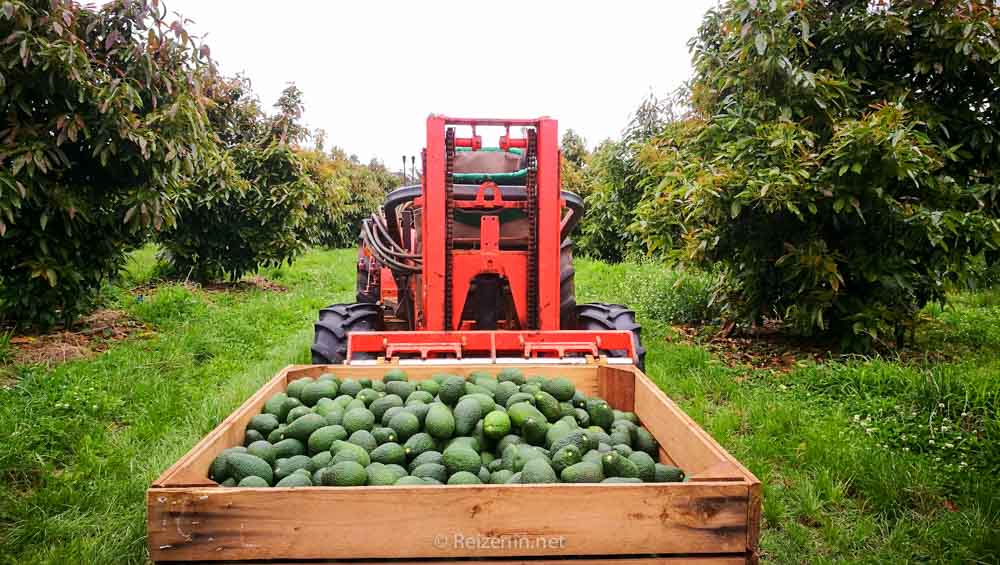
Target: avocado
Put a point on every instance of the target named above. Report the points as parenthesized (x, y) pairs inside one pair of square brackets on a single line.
[(501, 476), (521, 411), (511, 374), (496, 424), (464, 478), (411, 481), (321, 439), (600, 413), (264, 424), (429, 386), (384, 435), (642, 440), (394, 375), (368, 396), (432, 470), (273, 405), (568, 455), (417, 444), (363, 439), (350, 387), (615, 465), (461, 458), (426, 457), (264, 450), (667, 474), (253, 481), (421, 396), (298, 412), (582, 472), (389, 453), (518, 397), (379, 474), (344, 474), (561, 388), (295, 480), (252, 436), (538, 470), (548, 406), (358, 419), (401, 389), (289, 447), (303, 427), (295, 388), (440, 422), (405, 424), (313, 392), (243, 465), (467, 413), (645, 464), (285, 467), (452, 389)]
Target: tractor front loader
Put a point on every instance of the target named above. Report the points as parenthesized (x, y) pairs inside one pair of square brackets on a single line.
[(476, 263)]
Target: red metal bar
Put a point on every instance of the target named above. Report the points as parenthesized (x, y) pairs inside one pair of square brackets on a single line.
[(549, 212), (492, 344), (475, 142), (453, 121), (433, 227)]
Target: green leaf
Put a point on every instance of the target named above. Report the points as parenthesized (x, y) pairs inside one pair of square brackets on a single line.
[(760, 41)]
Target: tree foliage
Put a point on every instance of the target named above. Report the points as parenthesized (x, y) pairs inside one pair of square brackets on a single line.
[(843, 163), (617, 182), (104, 121), (351, 192), (252, 208)]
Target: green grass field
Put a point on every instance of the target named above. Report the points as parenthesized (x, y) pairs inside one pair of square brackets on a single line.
[(865, 460)]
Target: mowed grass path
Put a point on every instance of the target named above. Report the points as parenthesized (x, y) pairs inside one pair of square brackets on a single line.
[(842, 448)]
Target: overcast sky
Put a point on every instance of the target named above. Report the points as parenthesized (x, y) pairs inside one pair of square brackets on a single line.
[(372, 71)]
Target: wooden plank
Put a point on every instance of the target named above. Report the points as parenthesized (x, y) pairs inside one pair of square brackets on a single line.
[(447, 521), (192, 468), (679, 435), (753, 520), (660, 560), (617, 386)]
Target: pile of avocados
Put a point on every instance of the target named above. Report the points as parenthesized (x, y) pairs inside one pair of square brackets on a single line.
[(482, 429)]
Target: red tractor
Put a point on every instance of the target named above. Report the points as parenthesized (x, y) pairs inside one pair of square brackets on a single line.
[(476, 261)]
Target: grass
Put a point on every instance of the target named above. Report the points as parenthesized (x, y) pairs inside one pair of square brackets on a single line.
[(854, 459)]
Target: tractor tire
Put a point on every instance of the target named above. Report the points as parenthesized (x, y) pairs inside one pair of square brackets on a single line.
[(604, 316), (567, 287), (335, 322)]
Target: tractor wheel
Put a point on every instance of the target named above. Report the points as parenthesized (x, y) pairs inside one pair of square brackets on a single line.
[(603, 316), (567, 287), (335, 322)]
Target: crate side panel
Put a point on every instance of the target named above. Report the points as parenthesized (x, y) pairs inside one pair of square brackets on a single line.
[(684, 441), (661, 560), (425, 522)]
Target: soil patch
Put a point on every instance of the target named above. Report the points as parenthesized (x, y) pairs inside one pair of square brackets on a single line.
[(771, 347), (91, 335)]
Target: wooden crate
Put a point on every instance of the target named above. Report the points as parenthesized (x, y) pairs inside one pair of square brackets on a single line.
[(712, 518)]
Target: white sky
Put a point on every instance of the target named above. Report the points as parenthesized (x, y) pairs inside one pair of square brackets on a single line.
[(372, 71)]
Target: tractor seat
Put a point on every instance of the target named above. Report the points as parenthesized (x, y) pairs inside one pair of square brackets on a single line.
[(489, 164)]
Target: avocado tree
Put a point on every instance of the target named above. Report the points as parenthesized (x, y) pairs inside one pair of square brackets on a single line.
[(250, 208), (104, 121), (844, 165)]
